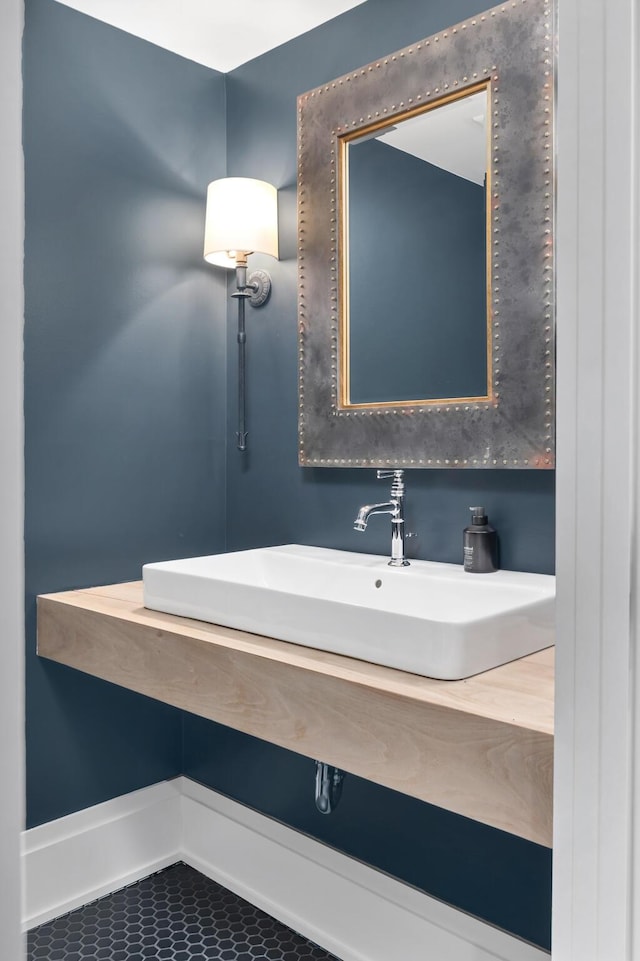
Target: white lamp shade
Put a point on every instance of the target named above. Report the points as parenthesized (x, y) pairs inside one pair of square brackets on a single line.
[(242, 215)]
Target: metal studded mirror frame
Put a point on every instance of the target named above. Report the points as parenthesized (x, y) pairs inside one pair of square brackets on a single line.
[(510, 47)]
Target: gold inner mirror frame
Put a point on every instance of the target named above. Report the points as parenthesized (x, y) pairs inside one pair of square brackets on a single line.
[(344, 142)]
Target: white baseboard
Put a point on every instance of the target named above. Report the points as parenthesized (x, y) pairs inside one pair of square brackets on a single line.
[(350, 909), (78, 858)]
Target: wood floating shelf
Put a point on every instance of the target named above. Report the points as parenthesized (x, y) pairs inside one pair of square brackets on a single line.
[(480, 747)]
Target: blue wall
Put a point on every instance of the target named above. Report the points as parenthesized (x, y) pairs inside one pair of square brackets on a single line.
[(417, 278), (126, 400), (125, 376), (271, 500)]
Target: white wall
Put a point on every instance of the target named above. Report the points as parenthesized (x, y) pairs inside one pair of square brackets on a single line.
[(598, 503), (11, 479)]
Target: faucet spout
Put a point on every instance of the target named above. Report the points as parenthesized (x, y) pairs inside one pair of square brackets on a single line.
[(365, 512)]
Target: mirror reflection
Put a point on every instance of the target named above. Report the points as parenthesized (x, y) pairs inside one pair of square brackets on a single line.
[(414, 258)]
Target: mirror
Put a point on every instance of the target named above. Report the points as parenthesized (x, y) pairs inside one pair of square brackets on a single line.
[(415, 206), (426, 290)]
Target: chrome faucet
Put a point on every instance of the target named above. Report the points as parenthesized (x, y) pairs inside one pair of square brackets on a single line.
[(395, 507)]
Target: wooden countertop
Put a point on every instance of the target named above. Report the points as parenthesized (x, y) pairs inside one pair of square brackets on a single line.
[(482, 747)]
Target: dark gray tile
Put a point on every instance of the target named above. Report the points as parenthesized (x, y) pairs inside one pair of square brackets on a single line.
[(174, 915)]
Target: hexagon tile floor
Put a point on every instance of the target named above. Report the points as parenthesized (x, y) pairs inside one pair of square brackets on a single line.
[(174, 915)]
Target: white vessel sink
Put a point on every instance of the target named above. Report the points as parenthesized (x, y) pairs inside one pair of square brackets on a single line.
[(431, 619)]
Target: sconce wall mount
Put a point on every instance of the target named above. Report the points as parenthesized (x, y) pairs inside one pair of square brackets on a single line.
[(256, 287)]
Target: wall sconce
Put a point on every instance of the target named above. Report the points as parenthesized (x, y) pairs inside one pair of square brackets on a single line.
[(241, 219)]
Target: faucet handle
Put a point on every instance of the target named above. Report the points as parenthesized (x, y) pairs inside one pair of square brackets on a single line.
[(397, 481), (396, 474)]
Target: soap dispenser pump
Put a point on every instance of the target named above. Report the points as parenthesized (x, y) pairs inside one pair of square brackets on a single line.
[(480, 544)]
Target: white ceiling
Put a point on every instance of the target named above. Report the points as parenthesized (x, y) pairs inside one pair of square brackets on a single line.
[(452, 137), (218, 33)]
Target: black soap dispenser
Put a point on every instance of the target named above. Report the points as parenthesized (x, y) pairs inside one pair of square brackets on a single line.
[(480, 544)]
